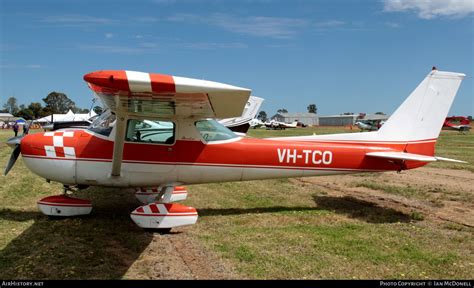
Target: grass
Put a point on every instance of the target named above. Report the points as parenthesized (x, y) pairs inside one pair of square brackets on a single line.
[(452, 144), (271, 229)]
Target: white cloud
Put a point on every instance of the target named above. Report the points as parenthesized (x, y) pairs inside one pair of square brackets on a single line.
[(77, 20), (429, 9), (329, 24), (393, 24), (213, 45), (114, 49), (20, 66), (273, 27)]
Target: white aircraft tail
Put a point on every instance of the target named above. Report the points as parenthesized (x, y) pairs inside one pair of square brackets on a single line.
[(421, 115), (250, 112), (416, 123), (253, 105)]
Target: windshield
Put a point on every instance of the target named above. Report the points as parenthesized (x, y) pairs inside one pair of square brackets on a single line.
[(103, 124), (211, 130)]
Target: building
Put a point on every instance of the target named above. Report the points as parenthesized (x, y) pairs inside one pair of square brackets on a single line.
[(6, 117), (9, 119), (310, 119), (338, 120), (346, 120)]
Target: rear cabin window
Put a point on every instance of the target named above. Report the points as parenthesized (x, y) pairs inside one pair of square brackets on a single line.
[(150, 131)]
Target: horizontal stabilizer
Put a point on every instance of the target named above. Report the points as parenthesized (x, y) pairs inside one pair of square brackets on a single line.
[(402, 156), (411, 157), (449, 160)]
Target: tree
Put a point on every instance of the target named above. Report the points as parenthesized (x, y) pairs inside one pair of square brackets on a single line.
[(262, 115), (379, 113), (25, 113), (37, 110), (282, 110), (81, 111), (11, 106), (58, 103), (312, 108)]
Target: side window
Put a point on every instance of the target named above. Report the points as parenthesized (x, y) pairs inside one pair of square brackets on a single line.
[(150, 131)]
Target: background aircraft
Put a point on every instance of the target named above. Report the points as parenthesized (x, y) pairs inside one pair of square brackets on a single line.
[(274, 124), (243, 123), (369, 125), (459, 123)]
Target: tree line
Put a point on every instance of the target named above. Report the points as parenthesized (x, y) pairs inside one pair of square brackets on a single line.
[(55, 103), (262, 115)]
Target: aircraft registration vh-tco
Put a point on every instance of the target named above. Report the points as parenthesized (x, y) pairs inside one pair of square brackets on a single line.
[(185, 145)]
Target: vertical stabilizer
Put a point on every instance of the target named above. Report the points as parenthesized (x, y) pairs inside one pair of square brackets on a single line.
[(421, 115)]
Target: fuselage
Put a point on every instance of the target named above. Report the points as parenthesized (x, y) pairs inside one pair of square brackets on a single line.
[(83, 157)]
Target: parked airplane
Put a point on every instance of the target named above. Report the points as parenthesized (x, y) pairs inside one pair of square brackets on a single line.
[(118, 150), (459, 123), (369, 125), (256, 123), (274, 124), (242, 124)]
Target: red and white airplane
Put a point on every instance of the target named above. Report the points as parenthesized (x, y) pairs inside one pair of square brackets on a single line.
[(462, 125), (119, 150)]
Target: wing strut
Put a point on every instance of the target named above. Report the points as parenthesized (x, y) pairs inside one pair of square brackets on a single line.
[(120, 125)]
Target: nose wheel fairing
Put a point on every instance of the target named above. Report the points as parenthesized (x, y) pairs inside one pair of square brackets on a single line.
[(64, 206)]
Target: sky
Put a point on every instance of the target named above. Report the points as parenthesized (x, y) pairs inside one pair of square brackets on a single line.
[(342, 55)]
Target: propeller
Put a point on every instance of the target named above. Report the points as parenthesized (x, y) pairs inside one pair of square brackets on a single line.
[(15, 144)]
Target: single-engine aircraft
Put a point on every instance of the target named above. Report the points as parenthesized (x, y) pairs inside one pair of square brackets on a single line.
[(119, 149), (459, 123), (369, 125), (274, 124)]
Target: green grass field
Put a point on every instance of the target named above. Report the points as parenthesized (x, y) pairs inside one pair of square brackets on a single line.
[(271, 229)]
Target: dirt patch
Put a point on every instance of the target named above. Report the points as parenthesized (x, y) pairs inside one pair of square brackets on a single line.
[(439, 194), (178, 256)]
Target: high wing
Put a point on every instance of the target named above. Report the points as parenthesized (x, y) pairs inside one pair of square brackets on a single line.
[(157, 95), (138, 94)]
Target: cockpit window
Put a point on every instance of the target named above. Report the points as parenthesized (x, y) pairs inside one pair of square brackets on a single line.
[(211, 130), (150, 131), (103, 124)]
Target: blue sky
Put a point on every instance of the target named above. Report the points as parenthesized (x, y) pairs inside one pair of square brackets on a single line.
[(344, 56)]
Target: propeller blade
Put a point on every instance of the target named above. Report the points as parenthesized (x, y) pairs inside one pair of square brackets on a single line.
[(13, 157)]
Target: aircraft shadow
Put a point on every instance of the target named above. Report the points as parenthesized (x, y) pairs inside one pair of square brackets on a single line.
[(359, 209), (349, 206), (102, 245)]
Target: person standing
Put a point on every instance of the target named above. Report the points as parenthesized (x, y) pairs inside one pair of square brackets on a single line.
[(15, 129), (26, 128)]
